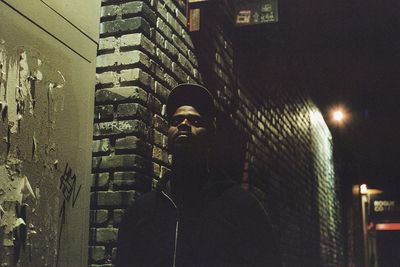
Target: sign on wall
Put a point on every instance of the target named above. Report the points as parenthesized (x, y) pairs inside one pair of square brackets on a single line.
[(384, 208), (255, 12)]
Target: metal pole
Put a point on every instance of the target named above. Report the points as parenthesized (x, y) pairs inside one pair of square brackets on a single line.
[(364, 202)]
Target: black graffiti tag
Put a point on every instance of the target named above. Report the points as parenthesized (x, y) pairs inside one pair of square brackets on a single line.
[(70, 192), (68, 186)]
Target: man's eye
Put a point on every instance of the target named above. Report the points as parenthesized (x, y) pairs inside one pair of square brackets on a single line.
[(176, 121), (195, 121), (192, 120)]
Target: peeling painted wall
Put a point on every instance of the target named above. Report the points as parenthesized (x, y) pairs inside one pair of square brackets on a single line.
[(32, 93), (46, 108)]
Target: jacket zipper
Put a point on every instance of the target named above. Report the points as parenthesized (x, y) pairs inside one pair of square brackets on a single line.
[(176, 227)]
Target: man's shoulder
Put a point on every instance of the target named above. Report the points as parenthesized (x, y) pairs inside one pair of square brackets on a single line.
[(224, 187), (242, 199), (239, 193)]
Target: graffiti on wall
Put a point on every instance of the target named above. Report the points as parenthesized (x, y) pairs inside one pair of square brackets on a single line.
[(70, 190), (119, 126)]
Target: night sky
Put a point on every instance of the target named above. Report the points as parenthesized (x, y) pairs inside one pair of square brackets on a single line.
[(341, 52)]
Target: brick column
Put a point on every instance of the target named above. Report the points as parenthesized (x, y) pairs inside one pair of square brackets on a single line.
[(144, 51)]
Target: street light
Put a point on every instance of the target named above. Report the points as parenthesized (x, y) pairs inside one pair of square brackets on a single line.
[(338, 115), (363, 189)]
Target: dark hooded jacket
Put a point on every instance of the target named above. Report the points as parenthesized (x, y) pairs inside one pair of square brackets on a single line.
[(222, 225)]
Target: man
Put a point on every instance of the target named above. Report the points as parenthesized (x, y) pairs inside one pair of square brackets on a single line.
[(194, 218)]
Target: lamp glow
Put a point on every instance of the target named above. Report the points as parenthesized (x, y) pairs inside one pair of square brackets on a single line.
[(363, 189), (338, 115)]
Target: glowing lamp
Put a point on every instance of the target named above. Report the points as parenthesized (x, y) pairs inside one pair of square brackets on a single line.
[(338, 115), (363, 189)]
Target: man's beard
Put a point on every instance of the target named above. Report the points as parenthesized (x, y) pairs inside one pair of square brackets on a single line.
[(189, 155), (187, 152), (189, 167)]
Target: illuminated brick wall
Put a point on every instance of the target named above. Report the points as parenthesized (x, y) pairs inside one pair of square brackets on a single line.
[(282, 150)]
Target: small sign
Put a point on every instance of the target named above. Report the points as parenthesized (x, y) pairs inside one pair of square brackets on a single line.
[(250, 12), (194, 20), (384, 208), (243, 17)]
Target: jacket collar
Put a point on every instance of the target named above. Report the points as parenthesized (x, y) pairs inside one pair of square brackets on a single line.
[(217, 182)]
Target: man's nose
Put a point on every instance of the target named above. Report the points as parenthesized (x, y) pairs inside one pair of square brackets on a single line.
[(184, 124)]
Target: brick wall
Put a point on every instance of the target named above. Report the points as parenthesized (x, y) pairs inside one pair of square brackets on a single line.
[(283, 150)]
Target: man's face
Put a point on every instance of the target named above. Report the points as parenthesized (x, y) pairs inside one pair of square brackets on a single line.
[(188, 131)]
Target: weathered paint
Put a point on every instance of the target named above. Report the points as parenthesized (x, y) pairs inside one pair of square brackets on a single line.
[(30, 158), (45, 138)]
